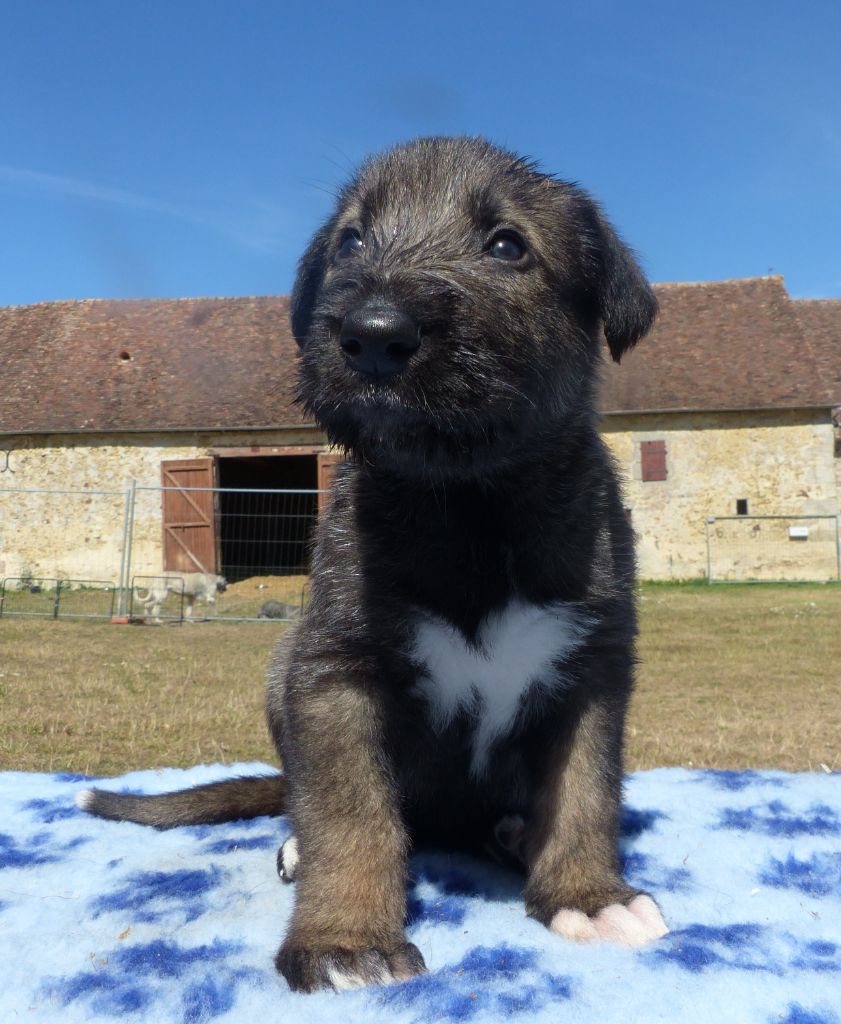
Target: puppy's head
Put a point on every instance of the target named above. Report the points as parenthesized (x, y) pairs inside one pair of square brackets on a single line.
[(454, 304), (221, 584)]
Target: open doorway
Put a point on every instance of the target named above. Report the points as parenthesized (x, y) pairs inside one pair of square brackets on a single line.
[(266, 534)]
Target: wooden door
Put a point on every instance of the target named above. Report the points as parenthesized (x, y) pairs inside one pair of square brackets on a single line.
[(327, 463), (189, 520)]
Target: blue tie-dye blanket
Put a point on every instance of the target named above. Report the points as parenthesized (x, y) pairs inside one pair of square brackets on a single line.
[(100, 920)]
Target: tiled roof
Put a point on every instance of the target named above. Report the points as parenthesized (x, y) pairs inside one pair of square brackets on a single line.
[(102, 365), (720, 345), (821, 323), (229, 363)]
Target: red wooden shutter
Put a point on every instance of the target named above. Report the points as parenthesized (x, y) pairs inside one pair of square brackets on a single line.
[(189, 522), (653, 459), (327, 464)]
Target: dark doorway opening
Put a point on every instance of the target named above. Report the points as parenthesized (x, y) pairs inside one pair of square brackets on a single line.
[(266, 534)]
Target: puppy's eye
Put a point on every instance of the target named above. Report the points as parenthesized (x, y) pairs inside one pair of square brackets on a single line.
[(350, 245), (505, 245)]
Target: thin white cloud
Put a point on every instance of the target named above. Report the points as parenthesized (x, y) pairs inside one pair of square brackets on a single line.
[(264, 231), (79, 189)]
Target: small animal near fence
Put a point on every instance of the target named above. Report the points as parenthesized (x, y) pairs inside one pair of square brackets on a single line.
[(157, 554), (773, 549)]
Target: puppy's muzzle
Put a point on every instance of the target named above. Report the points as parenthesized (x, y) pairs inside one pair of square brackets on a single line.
[(378, 340)]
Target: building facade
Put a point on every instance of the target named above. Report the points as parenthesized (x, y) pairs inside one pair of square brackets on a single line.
[(726, 409)]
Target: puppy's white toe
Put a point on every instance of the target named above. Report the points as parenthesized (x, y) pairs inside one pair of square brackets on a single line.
[(617, 924), (644, 908), (288, 859), (635, 925), (84, 799), (574, 925)]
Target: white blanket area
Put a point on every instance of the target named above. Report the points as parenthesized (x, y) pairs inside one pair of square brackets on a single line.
[(102, 920)]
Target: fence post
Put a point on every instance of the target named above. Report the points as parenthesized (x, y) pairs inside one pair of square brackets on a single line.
[(838, 543), (130, 539), (710, 519), (123, 602), (122, 583)]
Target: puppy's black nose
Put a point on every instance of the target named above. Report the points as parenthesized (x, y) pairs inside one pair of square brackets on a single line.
[(378, 340)]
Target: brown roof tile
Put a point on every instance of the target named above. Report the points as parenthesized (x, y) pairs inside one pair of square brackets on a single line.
[(229, 363), (821, 323), (719, 345), (102, 365)]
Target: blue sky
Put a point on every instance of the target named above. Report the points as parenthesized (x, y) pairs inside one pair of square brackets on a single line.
[(183, 148)]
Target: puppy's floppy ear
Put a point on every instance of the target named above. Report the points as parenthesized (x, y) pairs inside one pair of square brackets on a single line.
[(626, 304), (310, 272)]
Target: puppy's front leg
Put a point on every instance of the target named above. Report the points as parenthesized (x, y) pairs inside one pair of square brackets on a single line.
[(347, 929), (571, 846)]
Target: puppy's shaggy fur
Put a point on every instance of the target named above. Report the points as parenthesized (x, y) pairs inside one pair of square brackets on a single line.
[(462, 673)]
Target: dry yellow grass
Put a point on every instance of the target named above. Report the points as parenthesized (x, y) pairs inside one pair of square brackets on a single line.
[(730, 677), (99, 698), (738, 677)]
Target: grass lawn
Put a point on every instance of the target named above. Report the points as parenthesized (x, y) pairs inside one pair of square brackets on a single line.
[(729, 677)]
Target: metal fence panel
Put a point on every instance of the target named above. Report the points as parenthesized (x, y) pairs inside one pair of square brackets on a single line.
[(57, 598), (262, 542), (752, 549), (62, 533)]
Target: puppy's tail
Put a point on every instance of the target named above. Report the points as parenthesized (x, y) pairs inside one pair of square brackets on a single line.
[(229, 800)]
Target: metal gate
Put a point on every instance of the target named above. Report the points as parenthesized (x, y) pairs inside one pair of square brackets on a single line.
[(754, 549)]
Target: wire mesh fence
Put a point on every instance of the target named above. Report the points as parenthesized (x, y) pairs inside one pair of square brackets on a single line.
[(49, 598), (241, 553), (173, 554), (161, 554), (755, 549), (61, 533)]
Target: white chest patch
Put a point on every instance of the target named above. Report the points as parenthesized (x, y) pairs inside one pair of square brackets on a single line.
[(516, 649)]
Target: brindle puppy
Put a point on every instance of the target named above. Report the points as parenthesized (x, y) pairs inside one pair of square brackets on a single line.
[(462, 673)]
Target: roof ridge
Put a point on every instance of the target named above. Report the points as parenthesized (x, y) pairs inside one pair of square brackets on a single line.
[(726, 280), (181, 298), (777, 278)]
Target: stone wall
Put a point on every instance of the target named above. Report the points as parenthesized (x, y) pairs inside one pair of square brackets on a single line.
[(781, 462), (80, 535)]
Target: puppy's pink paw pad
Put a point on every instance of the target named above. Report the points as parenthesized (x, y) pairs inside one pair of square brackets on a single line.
[(635, 925)]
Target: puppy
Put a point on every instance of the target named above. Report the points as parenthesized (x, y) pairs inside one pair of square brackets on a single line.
[(193, 585), (462, 672)]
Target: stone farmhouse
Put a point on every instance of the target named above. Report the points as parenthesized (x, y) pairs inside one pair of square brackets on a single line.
[(726, 409)]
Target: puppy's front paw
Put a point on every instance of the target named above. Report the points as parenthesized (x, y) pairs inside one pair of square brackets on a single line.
[(635, 924), (337, 968)]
